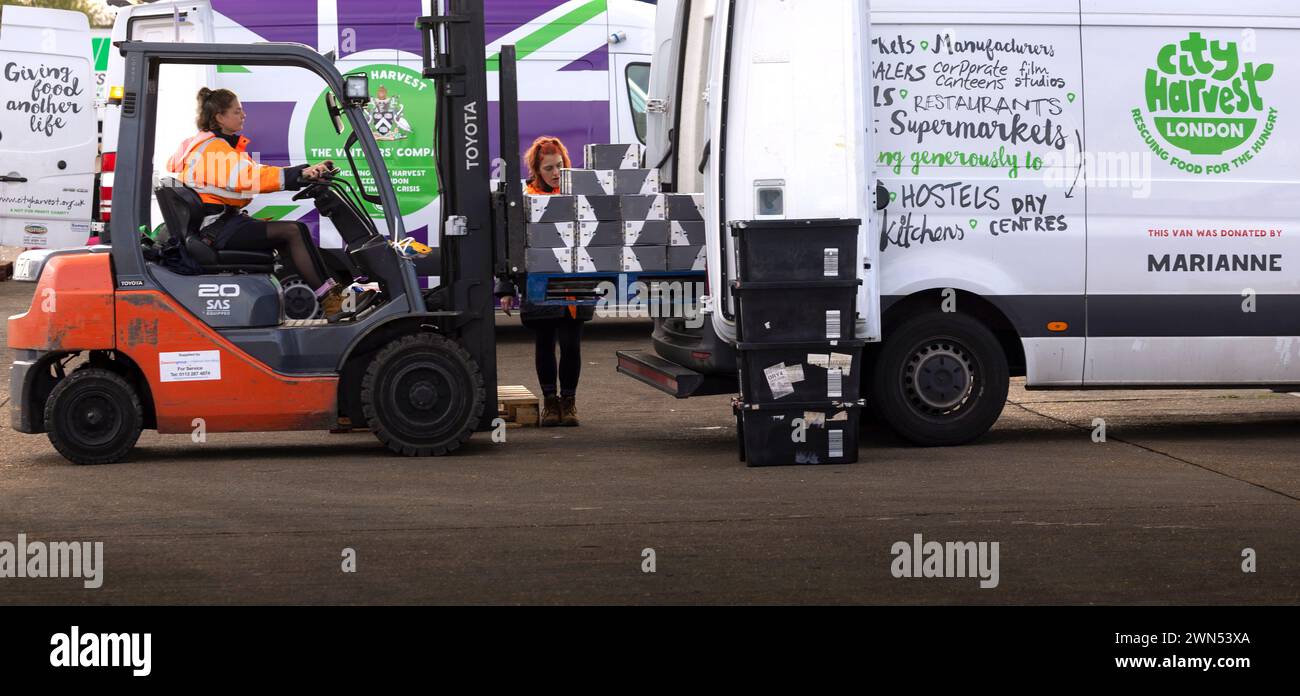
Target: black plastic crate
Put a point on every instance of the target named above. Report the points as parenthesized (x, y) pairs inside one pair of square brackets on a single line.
[(790, 434), (800, 372), (789, 250), (796, 312)]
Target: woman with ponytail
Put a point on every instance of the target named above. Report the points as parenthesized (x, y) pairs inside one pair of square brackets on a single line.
[(216, 164)]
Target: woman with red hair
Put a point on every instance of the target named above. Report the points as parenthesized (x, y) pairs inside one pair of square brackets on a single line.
[(551, 323), (545, 159)]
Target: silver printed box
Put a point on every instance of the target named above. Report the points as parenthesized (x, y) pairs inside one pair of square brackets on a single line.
[(650, 207), (551, 208), (559, 260), (644, 258), (599, 156), (597, 233), (636, 182), (645, 232), (632, 259), (686, 258), (683, 234), (550, 234), (599, 208), (684, 206), (587, 182)]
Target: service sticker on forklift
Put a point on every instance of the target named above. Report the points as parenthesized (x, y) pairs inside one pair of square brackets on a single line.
[(190, 366)]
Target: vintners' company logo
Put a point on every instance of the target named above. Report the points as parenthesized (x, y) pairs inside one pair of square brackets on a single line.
[(1205, 99)]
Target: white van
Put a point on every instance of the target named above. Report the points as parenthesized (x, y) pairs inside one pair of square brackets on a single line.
[(48, 139), (1088, 193)]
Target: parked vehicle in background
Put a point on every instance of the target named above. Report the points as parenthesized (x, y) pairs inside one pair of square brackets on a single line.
[(583, 73)]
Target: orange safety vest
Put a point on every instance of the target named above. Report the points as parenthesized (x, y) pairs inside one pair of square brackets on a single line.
[(221, 174), (532, 189)]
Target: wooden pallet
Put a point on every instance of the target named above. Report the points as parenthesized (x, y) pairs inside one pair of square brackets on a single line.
[(518, 406)]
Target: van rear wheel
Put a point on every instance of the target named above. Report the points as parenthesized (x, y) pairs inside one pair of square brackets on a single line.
[(93, 416), (941, 379)]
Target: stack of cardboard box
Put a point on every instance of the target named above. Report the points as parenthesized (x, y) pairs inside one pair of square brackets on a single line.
[(613, 218)]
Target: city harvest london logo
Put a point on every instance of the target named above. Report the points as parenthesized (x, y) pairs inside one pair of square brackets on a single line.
[(1205, 101)]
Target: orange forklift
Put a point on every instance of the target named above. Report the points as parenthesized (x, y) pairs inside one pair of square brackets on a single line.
[(157, 349)]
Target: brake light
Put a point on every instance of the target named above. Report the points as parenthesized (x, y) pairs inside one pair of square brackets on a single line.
[(107, 165)]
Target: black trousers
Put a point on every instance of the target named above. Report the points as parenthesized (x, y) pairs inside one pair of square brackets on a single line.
[(568, 333)]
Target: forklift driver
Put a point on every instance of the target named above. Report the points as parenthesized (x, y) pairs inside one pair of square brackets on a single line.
[(216, 164)]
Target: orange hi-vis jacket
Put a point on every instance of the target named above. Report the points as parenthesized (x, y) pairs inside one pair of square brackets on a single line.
[(221, 174)]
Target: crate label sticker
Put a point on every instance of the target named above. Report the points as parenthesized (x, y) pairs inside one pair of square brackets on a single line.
[(843, 362), (832, 323), (834, 390), (819, 360), (778, 381), (831, 264), (835, 444), (795, 373), (814, 419), (190, 366)]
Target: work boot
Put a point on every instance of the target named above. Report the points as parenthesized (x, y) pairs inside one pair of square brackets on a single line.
[(568, 410), (550, 411), (332, 302)]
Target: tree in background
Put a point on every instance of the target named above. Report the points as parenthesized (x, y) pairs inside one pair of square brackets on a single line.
[(100, 14)]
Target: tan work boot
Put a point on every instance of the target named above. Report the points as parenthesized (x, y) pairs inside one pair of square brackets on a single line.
[(550, 412), (568, 410), (332, 302)]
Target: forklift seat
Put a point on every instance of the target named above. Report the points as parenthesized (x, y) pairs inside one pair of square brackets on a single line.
[(182, 210)]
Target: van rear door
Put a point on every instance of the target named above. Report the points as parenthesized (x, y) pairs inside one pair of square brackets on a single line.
[(791, 128), (660, 106), (48, 133)]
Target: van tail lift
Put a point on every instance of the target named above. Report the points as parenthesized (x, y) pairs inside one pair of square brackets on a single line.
[(671, 378)]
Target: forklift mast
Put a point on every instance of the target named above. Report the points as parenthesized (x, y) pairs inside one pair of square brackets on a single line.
[(472, 224)]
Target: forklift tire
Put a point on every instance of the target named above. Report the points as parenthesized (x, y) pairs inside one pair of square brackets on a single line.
[(93, 416), (940, 379), (422, 395)]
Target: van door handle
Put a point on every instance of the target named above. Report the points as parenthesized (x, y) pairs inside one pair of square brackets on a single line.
[(13, 179)]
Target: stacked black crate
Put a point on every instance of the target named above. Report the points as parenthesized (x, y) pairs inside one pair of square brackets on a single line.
[(800, 360)]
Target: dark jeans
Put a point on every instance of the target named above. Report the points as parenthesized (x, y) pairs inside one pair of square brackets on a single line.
[(568, 332)]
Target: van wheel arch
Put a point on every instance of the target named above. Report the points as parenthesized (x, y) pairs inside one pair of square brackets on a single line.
[(968, 303)]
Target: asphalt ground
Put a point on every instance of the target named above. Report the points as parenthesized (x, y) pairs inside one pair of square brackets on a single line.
[(1159, 513)]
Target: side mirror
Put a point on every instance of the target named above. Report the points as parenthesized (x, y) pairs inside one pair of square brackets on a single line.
[(335, 115), (882, 196)]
